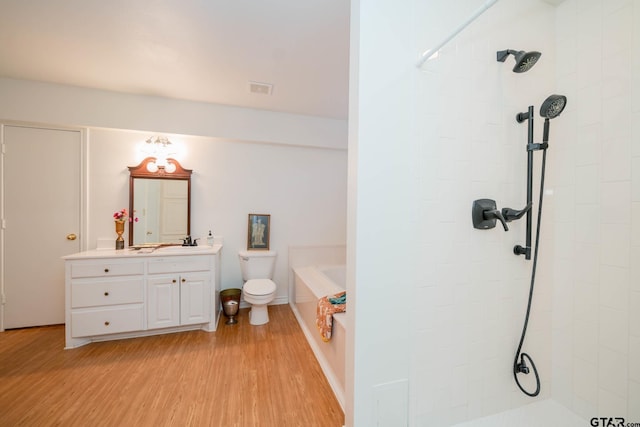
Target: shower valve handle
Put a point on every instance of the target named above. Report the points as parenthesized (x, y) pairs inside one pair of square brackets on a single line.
[(512, 214), (496, 214), (484, 214)]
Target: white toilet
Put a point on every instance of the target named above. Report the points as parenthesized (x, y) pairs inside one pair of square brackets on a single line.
[(258, 289)]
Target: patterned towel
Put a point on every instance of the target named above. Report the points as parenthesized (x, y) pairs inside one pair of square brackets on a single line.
[(327, 306)]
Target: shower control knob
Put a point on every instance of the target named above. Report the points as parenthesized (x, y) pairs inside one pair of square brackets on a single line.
[(484, 214)]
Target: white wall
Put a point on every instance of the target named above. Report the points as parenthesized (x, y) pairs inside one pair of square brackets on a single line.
[(382, 213), (50, 103), (292, 167), (596, 321)]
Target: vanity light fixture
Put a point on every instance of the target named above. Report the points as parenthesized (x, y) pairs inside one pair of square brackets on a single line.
[(160, 148)]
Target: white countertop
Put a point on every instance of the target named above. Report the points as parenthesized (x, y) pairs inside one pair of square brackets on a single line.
[(162, 251)]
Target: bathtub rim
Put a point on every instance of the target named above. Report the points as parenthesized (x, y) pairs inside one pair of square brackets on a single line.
[(312, 272)]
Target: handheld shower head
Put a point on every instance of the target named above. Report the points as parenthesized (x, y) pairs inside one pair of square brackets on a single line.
[(550, 109), (553, 106), (524, 60)]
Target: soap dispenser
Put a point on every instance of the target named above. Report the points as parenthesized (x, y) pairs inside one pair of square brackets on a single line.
[(210, 239)]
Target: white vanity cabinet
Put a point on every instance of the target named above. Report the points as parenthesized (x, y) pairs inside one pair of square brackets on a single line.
[(178, 292), (125, 293)]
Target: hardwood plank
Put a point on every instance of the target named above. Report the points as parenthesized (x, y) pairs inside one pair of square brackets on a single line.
[(241, 375)]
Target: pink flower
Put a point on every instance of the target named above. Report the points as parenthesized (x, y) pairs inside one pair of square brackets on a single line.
[(122, 215)]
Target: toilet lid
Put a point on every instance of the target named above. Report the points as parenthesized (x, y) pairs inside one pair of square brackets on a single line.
[(259, 287)]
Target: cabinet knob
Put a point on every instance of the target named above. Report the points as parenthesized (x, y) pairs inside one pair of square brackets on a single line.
[(106, 270), (184, 280), (174, 280), (106, 323), (106, 294)]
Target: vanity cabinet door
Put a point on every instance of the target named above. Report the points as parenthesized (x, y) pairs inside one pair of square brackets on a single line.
[(163, 301), (195, 298)]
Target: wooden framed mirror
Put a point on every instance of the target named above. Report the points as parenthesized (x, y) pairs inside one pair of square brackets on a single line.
[(160, 199)]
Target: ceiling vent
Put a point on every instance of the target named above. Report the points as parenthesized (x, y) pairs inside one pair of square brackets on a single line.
[(260, 88)]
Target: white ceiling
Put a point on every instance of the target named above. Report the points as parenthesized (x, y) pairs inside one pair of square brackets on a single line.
[(199, 50)]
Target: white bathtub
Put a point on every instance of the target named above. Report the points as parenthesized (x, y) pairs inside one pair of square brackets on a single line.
[(310, 284)]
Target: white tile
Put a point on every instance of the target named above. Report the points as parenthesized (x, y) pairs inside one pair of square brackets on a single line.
[(634, 314), (611, 403), (586, 339), (616, 117), (634, 401), (617, 26), (635, 179), (585, 380), (616, 157), (590, 100), (616, 75), (614, 288), (589, 52), (634, 358), (615, 244), (635, 224), (589, 262), (583, 408), (613, 371), (586, 301), (616, 206), (635, 124), (611, 6), (613, 330), (564, 200), (590, 137), (587, 224), (587, 184)]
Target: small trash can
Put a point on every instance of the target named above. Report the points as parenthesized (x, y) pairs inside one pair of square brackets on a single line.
[(230, 299)]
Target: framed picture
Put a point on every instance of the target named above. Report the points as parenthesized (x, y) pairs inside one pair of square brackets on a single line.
[(259, 232)]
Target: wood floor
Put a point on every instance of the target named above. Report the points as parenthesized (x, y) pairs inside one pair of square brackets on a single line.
[(240, 375)]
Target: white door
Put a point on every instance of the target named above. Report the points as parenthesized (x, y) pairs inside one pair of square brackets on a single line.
[(42, 188)]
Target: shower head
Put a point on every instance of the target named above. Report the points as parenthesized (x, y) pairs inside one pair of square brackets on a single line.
[(553, 106), (524, 60), (550, 109)]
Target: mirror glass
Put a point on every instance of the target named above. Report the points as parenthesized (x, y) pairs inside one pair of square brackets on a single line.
[(161, 202)]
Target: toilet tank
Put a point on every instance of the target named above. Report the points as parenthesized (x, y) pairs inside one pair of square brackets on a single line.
[(257, 264)]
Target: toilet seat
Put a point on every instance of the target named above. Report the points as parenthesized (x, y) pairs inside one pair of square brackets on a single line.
[(259, 287)]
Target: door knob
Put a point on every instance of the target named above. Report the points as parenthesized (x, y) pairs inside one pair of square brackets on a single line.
[(71, 236)]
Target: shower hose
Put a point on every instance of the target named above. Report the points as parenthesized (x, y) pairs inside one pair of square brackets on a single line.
[(519, 366)]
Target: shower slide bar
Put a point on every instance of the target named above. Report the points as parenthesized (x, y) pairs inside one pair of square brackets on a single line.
[(429, 53)]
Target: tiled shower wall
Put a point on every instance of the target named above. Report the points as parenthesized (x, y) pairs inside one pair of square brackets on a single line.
[(470, 298), (596, 168), (469, 301)]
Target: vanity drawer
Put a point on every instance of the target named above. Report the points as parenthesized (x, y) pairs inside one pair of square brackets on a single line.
[(179, 264), (106, 269), (89, 322), (100, 292)]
